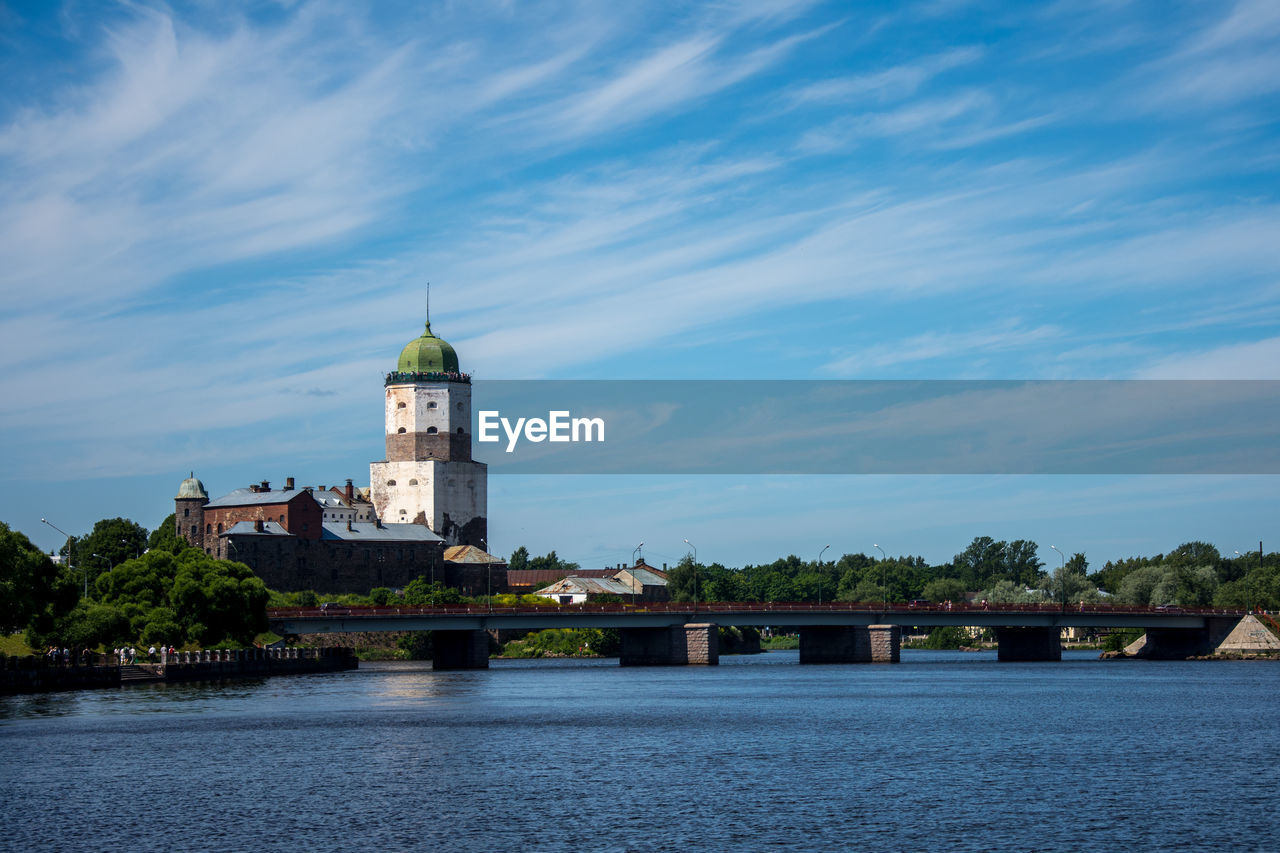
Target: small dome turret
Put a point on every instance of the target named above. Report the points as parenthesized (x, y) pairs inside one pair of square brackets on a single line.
[(192, 488)]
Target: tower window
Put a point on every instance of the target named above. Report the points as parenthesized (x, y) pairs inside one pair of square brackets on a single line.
[(400, 431), (459, 430), (391, 482), (186, 512), (402, 512), (208, 528), (413, 482), (431, 404), (399, 405), (459, 407), (432, 430)]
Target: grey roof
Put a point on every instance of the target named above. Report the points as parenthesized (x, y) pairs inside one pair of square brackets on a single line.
[(590, 586), (247, 497), (248, 528), (192, 488), (646, 577), (367, 531), (329, 499)]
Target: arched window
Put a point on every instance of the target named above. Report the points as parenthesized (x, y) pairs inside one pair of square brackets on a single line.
[(431, 404), (413, 482), (432, 430), (399, 405), (186, 512), (459, 430), (208, 528), (282, 519), (400, 431), (402, 512), (459, 407), (391, 482), (219, 526), (193, 531)]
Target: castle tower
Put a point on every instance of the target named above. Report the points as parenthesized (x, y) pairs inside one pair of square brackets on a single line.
[(188, 511), (428, 476)]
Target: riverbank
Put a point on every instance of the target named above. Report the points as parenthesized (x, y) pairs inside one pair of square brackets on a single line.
[(34, 674)]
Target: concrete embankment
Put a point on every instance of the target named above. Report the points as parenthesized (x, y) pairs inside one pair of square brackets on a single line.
[(38, 675)]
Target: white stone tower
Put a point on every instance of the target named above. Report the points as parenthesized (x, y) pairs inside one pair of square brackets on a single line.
[(428, 476)]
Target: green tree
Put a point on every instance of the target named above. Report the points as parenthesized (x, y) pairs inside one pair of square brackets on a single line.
[(943, 589), (218, 599), (35, 593), (146, 581), (420, 593), (551, 563), (111, 542), (1020, 563), (519, 559), (166, 538)]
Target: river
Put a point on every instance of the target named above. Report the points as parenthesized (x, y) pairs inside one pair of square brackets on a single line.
[(946, 750)]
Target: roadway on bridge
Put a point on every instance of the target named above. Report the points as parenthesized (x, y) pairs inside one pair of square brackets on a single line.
[(329, 619)]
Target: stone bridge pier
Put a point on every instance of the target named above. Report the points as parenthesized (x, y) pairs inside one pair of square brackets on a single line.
[(1028, 644), (851, 644), (460, 650), (695, 643), (1182, 643)]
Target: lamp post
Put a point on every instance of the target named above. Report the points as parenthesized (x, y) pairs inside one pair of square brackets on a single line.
[(637, 555), (884, 582), (695, 573), (820, 553), (1063, 584), (70, 561)]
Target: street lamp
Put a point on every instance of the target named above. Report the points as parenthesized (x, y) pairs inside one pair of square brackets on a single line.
[(695, 572), (1064, 578), (70, 562), (820, 553), (636, 551), (884, 582)]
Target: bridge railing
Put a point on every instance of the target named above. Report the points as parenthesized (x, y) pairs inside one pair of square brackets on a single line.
[(781, 607)]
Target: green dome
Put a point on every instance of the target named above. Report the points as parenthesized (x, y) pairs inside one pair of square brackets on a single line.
[(427, 354)]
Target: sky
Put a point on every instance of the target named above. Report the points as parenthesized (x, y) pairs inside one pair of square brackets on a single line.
[(217, 221)]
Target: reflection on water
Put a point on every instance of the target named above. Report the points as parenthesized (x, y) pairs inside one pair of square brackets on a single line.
[(943, 750)]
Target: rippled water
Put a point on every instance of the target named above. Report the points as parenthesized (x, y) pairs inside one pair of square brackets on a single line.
[(943, 751)]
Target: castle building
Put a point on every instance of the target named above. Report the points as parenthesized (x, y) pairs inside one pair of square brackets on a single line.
[(427, 494), (429, 476)]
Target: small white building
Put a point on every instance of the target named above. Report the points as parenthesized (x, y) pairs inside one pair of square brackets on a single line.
[(575, 590)]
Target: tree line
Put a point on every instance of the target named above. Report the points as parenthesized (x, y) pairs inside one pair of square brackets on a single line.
[(153, 587)]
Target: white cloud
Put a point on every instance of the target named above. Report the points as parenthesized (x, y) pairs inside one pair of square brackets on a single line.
[(1246, 360)]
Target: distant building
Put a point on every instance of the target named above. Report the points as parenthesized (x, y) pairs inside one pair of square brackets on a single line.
[(576, 590), (635, 583), (428, 494), (429, 476), (283, 535)]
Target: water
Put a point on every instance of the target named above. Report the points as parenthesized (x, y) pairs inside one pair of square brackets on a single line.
[(944, 751)]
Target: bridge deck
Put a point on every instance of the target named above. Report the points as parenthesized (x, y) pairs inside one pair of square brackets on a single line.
[(655, 615)]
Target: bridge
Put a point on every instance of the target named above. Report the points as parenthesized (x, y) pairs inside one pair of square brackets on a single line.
[(678, 633)]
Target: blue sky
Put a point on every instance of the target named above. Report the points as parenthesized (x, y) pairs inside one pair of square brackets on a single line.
[(216, 221)]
